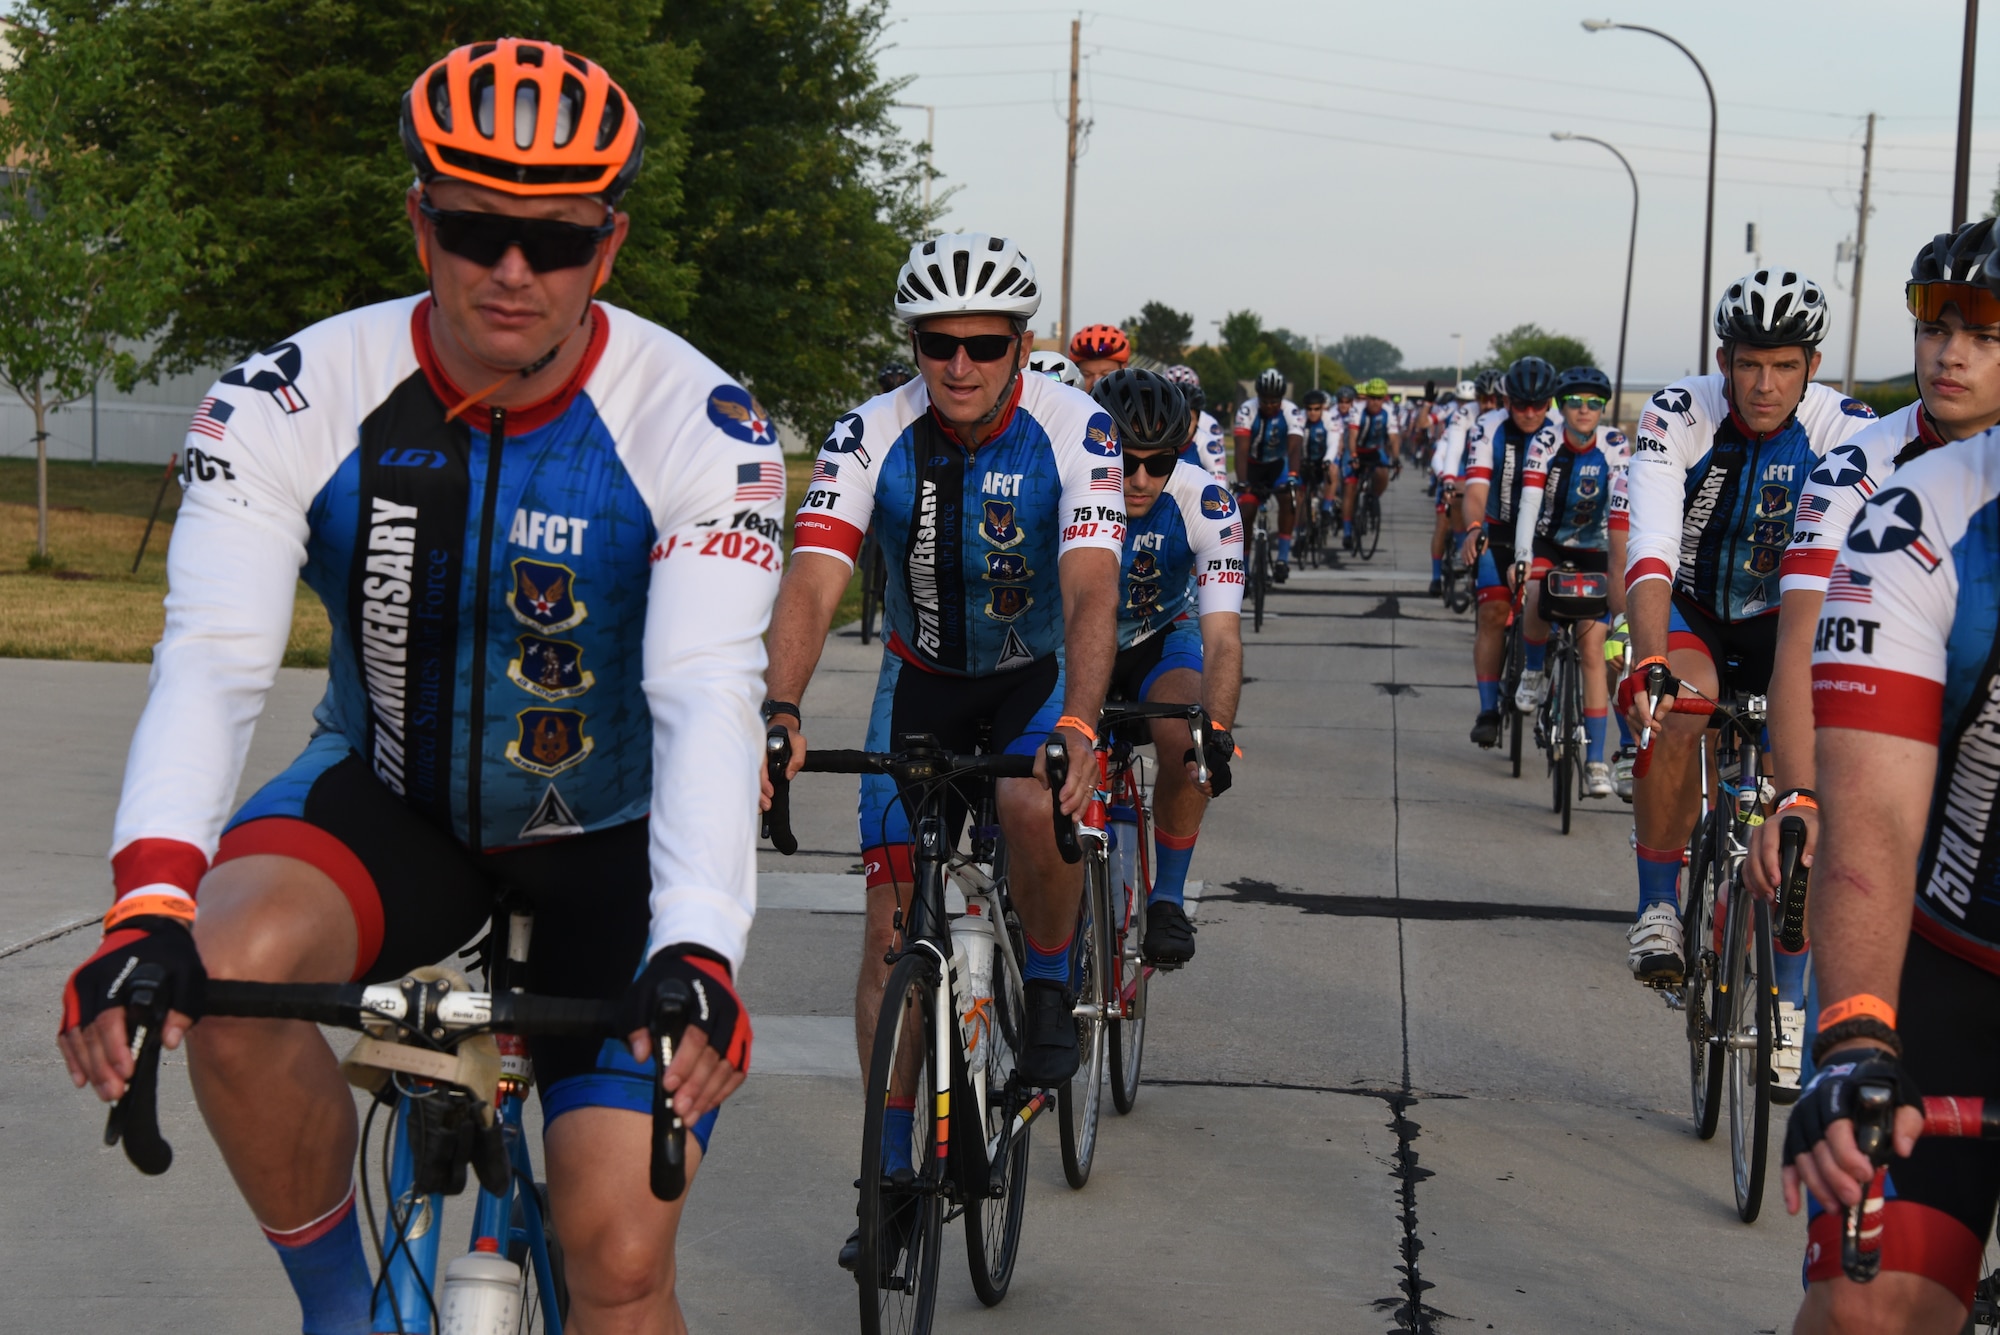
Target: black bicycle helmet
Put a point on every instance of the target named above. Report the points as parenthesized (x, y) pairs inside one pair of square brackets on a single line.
[(1530, 380), (1772, 308), (1271, 383), (1965, 256), (1149, 410), (1317, 398), (1583, 380), (1345, 393), (894, 375), (1487, 384)]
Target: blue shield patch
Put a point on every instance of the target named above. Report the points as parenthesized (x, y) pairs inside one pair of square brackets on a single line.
[(544, 596), (1007, 602), (1145, 565), (1007, 565), (731, 408), (552, 669), (1144, 600), (998, 527), (1100, 437), (1217, 503), (549, 741), (1763, 560), (1773, 501)]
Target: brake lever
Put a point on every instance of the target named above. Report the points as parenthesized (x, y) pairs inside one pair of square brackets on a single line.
[(135, 1118), (666, 1022), (1199, 726), (777, 824), (1792, 881), (1657, 678), (1055, 758), (1860, 1243)]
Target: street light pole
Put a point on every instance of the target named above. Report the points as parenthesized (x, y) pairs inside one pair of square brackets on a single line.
[(1460, 344), (1631, 250), (930, 142), (1708, 231), (1961, 176)]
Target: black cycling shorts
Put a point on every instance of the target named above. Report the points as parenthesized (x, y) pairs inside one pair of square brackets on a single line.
[(1267, 476), (1750, 644), (1940, 1201)]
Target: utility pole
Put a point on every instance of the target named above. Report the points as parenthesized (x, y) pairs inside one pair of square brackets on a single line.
[(930, 142), (1861, 254), (1315, 361), (1069, 187), (1460, 343), (1961, 177)]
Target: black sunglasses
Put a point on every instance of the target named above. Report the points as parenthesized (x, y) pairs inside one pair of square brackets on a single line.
[(1157, 464), (484, 238), (979, 347)]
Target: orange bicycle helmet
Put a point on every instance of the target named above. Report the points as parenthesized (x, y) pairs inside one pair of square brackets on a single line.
[(1098, 341), (524, 117)]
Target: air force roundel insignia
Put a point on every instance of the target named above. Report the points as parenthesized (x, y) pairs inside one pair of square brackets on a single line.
[(1889, 523), (275, 371), (1843, 466), (845, 438), (1100, 437), (1856, 408), (1216, 502), (731, 408)]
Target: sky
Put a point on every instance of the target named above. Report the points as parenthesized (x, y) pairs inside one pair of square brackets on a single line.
[(1387, 169)]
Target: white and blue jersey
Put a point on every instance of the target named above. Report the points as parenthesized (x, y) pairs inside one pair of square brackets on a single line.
[(1322, 439), (1566, 492), (1207, 450), (1184, 554), (1496, 453), (971, 537), (1372, 429), (1269, 434)]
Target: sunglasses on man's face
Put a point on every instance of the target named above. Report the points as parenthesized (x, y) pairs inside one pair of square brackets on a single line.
[(485, 238), (1590, 401), (1158, 464), (1538, 406), (938, 347)]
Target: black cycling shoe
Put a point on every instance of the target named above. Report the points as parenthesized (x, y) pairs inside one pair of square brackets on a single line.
[(1281, 571), (1169, 939), (850, 1251), (1049, 1050), (1437, 586), (1486, 729), (899, 1228)]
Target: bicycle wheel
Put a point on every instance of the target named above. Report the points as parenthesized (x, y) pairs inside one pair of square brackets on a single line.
[(534, 1301), (993, 1221), (1570, 771), (1081, 1099), (1260, 579), (1753, 1017), (872, 579), (1700, 997), (1126, 1038), (1510, 684), (1368, 528), (901, 1220)]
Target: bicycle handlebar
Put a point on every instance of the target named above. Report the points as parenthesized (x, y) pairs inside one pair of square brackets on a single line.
[(1874, 1114), (1792, 880), (1112, 715)]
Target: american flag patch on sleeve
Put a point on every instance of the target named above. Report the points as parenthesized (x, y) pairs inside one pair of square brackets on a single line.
[(825, 471), (211, 419), (757, 483), (1849, 586), (1107, 479)]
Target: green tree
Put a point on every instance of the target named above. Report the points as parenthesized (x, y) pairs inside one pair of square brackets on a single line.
[(1159, 331), (1368, 356), (1244, 343), (1219, 381), (84, 275), (1531, 340), (800, 202)]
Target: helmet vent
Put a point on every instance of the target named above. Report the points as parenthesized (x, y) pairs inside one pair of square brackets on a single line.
[(576, 62), (1006, 283), (961, 265), (438, 93), (612, 120), (527, 106), (985, 272), (569, 110), (527, 55), (481, 88), (916, 285), (937, 278), (481, 51)]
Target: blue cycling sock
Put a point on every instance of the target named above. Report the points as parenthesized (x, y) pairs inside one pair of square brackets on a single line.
[(1437, 567), (1659, 871), (1285, 549), (1489, 695), (1536, 654), (1052, 964), (1347, 529), (1624, 731), (329, 1274), (1593, 732), (898, 1120), (1791, 971), (1171, 855)]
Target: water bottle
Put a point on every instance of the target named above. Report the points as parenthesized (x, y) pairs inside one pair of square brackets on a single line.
[(481, 1294), (1124, 866), (972, 964)]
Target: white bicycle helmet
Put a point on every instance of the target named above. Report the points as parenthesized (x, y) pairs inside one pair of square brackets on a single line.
[(1467, 391), (1772, 308), (1056, 367), (967, 273)]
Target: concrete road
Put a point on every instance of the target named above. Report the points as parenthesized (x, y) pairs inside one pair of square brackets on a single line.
[(1406, 1085)]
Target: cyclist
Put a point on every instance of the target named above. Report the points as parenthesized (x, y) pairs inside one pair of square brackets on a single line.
[(1180, 637), (1957, 346), (1205, 448), (498, 472), (1056, 367), (1902, 912), (894, 375), (1371, 450), (1270, 440), (1563, 519), (1321, 455), (998, 499), (1098, 350), (1496, 449), (1447, 463), (1715, 481)]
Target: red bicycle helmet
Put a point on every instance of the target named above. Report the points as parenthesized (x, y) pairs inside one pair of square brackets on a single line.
[(1099, 341), (523, 117)]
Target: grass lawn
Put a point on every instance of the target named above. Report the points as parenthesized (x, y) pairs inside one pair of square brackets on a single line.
[(92, 605)]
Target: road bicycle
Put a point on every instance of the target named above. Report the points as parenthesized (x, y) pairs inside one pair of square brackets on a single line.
[(1570, 598), (1309, 533), (874, 583), (949, 1031), (1116, 833), (1367, 522), (1728, 990), (1513, 662), (1260, 555), (449, 1067), (1460, 580)]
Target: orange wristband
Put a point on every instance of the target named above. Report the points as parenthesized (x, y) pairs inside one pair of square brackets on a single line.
[(1797, 800), (1862, 1004), (157, 906), (1076, 724)]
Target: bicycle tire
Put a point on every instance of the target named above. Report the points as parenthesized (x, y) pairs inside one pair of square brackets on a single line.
[(993, 1223), (901, 1299), (1510, 684), (1699, 994), (1260, 579), (1080, 1101), (1572, 723), (1127, 1035), (1371, 524), (1754, 1018)]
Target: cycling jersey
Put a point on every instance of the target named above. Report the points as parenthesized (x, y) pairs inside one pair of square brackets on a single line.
[(1838, 487), (1620, 520), (1208, 450), (1372, 429), (975, 535), (1322, 439), (1448, 459), (1905, 647), (1566, 492), (1712, 506), (1269, 435), (1495, 453), (573, 595), (1186, 551)]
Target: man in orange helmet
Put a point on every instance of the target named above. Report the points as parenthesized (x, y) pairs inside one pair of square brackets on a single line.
[(1098, 350), (513, 501)]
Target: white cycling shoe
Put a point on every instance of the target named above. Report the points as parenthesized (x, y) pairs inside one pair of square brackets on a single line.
[(1621, 773), (1788, 1053), (1655, 952), (1597, 778), (1534, 689)]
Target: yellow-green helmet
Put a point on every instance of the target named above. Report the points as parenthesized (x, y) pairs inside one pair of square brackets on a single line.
[(1378, 388)]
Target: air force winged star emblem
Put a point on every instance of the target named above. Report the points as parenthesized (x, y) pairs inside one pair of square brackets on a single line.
[(998, 527), (731, 408), (544, 596)]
